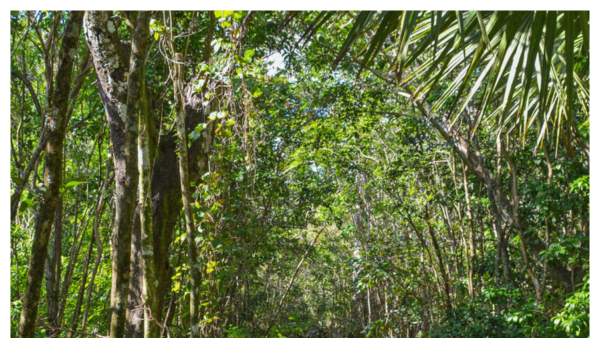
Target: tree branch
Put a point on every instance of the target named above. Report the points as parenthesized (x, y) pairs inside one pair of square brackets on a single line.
[(17, 74)]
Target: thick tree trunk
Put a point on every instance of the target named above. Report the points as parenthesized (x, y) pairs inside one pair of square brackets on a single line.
[(137, 100), (165, 185), (113, 82), (135, 310), (166, 205), (52, 175)]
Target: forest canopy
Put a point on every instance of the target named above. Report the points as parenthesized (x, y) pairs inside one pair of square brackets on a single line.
[(299, 174)]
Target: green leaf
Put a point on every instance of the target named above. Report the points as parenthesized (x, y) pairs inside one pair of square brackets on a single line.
[(532, 53), (194, 135), (388, 23), (249, 53), (74, 183), (408, 22), (483, 28), (210, 266), (570, 64), (360, 23)]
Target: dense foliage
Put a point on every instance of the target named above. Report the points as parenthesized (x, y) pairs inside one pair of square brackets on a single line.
[(300, 174)]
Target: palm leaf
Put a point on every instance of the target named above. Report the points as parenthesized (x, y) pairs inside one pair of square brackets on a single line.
[(526, 66)]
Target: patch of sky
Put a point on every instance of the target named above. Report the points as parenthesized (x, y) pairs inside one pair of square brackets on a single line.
[(275, 64)]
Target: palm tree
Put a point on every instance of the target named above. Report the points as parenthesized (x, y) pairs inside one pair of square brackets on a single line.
[(521, 69)]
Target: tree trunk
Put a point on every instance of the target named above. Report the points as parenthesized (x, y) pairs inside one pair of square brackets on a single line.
[(190, 224), (53, 272), (137, 100), (165, 184), (515, 203), (120, 105), (135, 310), (52, 176)]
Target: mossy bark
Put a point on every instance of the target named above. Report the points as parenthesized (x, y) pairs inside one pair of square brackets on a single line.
[(52, 175), (112, 70), (137, 94)]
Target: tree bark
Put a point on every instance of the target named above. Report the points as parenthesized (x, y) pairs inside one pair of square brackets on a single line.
[(120, 105), (135, 310), (165, 183), (53, 272), (52, 175), (137, 100)]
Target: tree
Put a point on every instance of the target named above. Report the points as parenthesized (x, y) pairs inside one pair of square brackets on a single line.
[(121, 95), (52, 174)]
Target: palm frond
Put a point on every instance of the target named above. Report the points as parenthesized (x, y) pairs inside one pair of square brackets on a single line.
[(526, 69)]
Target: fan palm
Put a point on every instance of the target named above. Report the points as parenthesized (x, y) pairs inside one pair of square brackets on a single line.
[(520, 69)]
